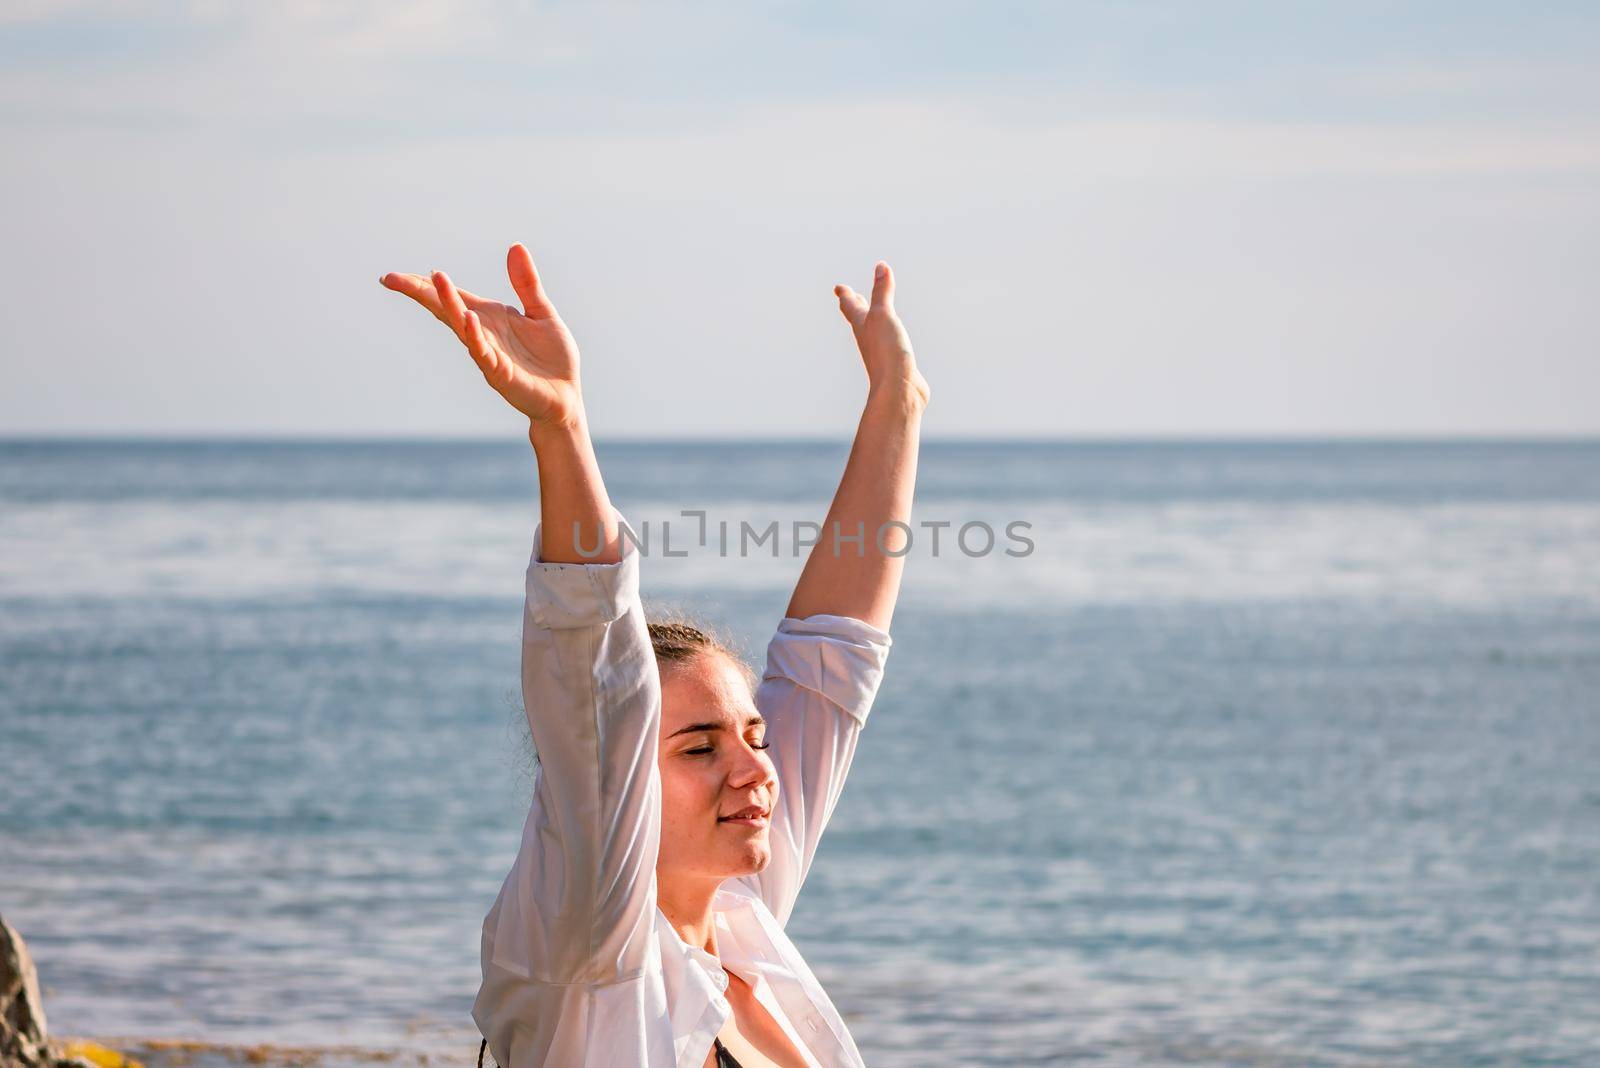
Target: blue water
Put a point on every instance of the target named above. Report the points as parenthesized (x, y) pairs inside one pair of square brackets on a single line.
[(1267, 754)]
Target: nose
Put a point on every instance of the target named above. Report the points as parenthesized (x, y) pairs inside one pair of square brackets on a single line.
[(751, 768)]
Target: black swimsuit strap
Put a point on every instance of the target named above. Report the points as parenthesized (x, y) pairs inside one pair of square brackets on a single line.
[(724, 1058)]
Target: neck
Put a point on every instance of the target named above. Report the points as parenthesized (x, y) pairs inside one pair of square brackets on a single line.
[(686, 903)]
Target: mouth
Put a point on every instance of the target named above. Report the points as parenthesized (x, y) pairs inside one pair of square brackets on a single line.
[(750, 816)]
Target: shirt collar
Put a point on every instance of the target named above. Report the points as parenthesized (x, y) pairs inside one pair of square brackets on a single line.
[(726, 906)]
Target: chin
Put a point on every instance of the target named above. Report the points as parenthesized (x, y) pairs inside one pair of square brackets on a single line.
[(754, 861)]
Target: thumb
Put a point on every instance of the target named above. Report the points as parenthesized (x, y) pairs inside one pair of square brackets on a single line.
[(883, 286), (852, 304), (525, 280)]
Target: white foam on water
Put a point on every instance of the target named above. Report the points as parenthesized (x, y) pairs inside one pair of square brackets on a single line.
[(1458, 554)]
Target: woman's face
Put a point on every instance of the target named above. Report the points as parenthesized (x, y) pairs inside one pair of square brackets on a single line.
[(713, 765)]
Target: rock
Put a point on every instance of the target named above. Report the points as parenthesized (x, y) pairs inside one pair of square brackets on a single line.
[(24, 1042), (22, 1028)]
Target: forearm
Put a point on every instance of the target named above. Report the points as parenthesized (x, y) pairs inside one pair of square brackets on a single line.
[(574, 510), (861, 579)]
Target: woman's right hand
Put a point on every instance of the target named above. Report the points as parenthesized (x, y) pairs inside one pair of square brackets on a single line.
[(529, 357)]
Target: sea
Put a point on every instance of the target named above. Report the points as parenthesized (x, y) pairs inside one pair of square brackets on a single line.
[(1260, 753)]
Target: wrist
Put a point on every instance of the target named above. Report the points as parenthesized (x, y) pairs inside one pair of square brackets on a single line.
[(905, 397), (557, 432)]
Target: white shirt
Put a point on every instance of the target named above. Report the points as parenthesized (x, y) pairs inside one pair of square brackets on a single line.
[(580, 967)]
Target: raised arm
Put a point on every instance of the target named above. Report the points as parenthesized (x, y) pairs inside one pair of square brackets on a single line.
[(826, 660), (576, 909), (531, 359), (855, 568)]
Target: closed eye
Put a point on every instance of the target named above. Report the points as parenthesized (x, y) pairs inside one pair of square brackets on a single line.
[(701, 750)]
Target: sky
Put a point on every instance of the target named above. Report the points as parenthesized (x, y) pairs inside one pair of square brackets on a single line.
[(1106, 219)]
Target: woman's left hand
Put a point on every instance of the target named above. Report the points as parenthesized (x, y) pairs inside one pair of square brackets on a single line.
[(881, 337)]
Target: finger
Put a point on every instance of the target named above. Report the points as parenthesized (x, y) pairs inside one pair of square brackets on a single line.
[(483, 353), (525, 280), (852, 304), (475, 302), (416, 287), (454, 312), (882, 286), (419, 288)]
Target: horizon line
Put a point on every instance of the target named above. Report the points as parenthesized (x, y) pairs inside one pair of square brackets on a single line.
[(1088, 438)]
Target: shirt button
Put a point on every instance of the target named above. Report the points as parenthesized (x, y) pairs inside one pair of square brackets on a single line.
[(812, 1023)]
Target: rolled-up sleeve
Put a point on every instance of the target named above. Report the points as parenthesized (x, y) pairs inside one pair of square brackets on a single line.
[(563, 596), (821, 678), (839, 658), (577, 906)]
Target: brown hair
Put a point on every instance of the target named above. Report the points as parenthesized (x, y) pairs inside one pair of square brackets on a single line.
[(677, 640)]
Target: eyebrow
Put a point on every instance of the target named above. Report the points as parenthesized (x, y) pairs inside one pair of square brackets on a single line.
[(751, 722)]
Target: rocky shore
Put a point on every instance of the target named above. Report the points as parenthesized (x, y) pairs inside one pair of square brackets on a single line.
[(26, 1043)]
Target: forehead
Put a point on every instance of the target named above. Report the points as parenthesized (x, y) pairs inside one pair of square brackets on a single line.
[(706, 689)]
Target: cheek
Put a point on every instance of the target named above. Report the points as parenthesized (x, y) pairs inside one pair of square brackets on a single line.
[(688, 791)]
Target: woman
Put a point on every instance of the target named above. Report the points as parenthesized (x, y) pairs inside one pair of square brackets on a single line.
[(676, 811)]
